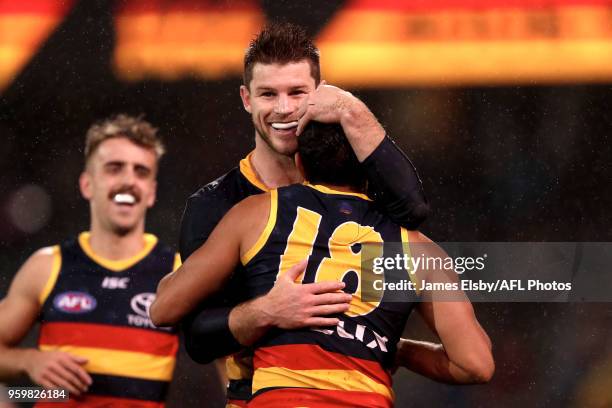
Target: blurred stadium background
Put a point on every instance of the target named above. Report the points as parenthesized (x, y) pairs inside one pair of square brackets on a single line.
[(503, 105)]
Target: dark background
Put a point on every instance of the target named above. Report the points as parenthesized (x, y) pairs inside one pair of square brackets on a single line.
[(514, 163)]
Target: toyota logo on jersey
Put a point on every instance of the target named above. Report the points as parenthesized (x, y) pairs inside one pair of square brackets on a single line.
[(74, 302), (141, 303)]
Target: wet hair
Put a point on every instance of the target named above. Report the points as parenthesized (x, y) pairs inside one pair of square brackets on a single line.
[(281, 43), (135, 129), (328, 158)]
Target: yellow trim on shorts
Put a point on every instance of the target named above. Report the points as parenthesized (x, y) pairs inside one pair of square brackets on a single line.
[(406, 247), (55, 269), (263, 238), (336, 380), (119, 264), (121, 363)]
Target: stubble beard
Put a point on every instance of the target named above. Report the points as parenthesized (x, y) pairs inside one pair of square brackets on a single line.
[(268, 141)]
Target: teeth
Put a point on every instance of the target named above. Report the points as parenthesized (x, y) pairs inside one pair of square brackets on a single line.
[(283, 126), (124, 199)]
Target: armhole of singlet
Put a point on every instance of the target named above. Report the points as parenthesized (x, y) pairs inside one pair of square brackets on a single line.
[(406, 247), (55, 268), (177, 262), (265, 234)]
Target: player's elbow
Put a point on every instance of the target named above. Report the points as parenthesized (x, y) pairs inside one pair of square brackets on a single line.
[(161, 316), (480, 367), (419, 213)]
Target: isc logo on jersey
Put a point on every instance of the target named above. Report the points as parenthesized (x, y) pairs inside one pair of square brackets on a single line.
[(140, 305), (74, 302), (112, 282)]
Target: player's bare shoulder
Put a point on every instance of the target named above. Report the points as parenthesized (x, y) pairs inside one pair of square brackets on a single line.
[(34, 275), (252, 213), (250, 216), (255, 203)]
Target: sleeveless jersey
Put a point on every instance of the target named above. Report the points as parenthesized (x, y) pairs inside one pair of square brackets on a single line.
[(204, 210), (342, 366), (98, 309)]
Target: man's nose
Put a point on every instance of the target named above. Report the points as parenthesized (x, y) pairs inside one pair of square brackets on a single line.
[(283, 105), (128, 176)]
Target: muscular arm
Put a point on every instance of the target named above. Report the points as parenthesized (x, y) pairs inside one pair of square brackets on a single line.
[(210, 266), (206, 330), (18, 312), (213, 332), (393, 180), (464, 356)]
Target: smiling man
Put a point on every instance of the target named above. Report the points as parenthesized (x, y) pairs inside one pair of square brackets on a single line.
[(91, 293), (282, 91), (332, 224)]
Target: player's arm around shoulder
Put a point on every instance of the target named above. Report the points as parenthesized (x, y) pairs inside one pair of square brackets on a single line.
[(451, 316), (18, 312), (206, 270)]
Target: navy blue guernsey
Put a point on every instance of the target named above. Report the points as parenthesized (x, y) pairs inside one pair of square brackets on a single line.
[(98, 309), (340, 364)]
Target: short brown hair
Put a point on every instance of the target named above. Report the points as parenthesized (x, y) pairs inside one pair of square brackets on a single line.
[(281, 43), (135, 129)]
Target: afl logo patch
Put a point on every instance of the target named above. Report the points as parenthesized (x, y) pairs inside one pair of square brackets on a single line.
[(74, 302)]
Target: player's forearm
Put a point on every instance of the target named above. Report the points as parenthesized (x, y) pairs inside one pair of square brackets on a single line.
[(164, 311), (250, 320), (362, 129), (431, 360), (395, 184), (465, 341), (208, 336)]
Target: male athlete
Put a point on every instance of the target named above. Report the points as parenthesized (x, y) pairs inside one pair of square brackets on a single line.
[(91, 293), (328, 221), (282, 91)]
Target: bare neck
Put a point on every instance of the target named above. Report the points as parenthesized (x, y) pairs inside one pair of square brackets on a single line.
[(273, 169), (110, 245)]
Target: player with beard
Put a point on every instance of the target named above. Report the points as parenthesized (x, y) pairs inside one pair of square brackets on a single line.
[(282, 91), (91, 293)]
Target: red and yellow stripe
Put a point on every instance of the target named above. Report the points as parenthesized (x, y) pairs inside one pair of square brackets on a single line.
[(310, 398), (97, 401), (24, 25), (307, 366), (120, 351)]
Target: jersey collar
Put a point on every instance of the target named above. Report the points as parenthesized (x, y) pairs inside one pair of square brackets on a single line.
[(328, 190), (118, 264), (247, 170)]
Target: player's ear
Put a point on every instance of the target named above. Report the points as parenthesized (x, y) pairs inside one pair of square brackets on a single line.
[(245, 94), (85, 185), (298, 163)]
